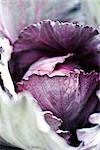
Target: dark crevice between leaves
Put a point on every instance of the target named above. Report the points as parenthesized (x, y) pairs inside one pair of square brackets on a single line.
[(4, 147), (4, 88), (1, 83)]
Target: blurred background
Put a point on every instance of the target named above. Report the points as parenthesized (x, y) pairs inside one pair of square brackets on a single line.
[(16, 14)]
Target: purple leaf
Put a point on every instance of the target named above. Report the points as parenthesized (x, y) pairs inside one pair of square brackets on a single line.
[(52, 120), (50, 39), (66, 96), (48, 66), (55, 37)]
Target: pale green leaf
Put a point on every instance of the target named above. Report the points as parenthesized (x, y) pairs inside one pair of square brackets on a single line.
[(91, 10), (22, 124)]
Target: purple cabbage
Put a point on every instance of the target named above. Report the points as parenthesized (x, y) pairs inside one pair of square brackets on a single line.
[(58, 63)]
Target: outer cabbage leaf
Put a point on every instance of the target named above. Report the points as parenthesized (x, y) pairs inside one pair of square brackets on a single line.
[(6, 81), (91, 136), (22, 125)]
